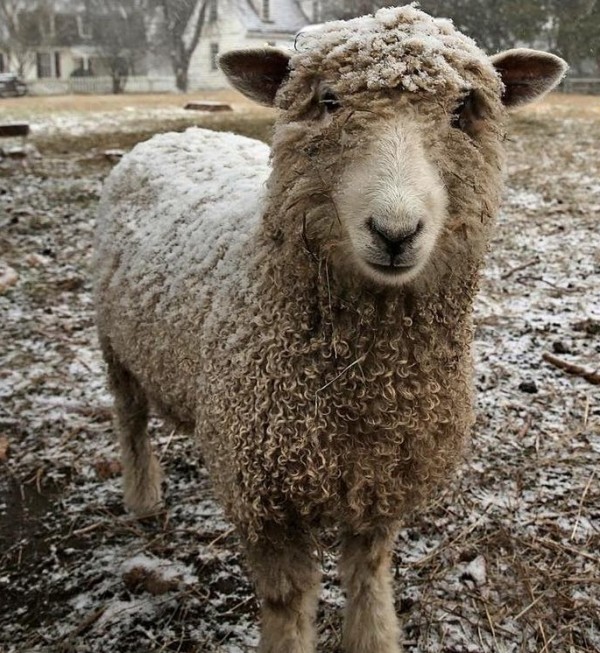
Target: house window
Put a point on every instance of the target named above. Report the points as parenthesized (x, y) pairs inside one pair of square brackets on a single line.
[(43, 62), (213, 11), (266, 10), (214, 54), (48, 64), (2, 64)]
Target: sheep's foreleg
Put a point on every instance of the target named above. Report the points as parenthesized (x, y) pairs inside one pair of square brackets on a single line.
[(141, 471), (287, 582), (370, 623)]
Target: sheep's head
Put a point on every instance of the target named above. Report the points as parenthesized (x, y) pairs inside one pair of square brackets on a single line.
[(391, 135)]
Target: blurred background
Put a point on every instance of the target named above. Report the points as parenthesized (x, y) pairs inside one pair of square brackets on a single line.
[(101, 46)]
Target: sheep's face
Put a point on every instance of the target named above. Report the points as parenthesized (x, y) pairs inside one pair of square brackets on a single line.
[(383, 168), (386, 175), (391, 202), (390, 137)]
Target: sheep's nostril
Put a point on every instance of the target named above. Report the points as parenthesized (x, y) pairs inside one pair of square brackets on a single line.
[(395, 241)]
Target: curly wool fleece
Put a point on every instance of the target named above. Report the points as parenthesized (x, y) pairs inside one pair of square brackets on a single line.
[(315, 397), (400, 48)]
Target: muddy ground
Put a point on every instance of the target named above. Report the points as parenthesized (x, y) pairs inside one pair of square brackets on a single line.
[(506, 560)]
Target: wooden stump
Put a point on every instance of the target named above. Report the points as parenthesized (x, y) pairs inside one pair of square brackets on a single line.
[(213, 107), (15, 129)]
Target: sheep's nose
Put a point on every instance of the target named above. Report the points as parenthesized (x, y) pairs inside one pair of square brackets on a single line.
[(395, 241)]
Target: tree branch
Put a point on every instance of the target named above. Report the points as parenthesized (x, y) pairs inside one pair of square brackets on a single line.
[(589, 375), (197, 30)]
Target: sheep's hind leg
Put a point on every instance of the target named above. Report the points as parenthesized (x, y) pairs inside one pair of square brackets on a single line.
[(141, 470), (287, 579), (370, 622)]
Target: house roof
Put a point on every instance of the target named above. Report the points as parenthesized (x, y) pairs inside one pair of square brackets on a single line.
[(286, 17)]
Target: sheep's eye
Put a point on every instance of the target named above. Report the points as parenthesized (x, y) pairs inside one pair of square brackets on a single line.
[(330, 101), (460, 115)]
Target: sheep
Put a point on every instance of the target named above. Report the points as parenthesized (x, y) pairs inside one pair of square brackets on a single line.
[(307, 313)]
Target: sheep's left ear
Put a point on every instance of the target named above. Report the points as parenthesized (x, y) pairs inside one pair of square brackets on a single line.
[(258, 72), (527, 74)]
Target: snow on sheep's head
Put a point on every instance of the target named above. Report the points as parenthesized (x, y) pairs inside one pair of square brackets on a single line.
[(392, 126)]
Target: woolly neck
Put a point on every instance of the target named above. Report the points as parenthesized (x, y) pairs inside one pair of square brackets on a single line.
[(342, 305)]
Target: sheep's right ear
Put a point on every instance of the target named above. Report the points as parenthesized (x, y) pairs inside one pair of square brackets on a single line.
[(258, 72)]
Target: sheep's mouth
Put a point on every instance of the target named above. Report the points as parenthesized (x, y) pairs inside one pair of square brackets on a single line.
[(392, 270)]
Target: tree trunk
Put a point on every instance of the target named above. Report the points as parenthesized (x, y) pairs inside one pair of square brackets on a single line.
[(181, 64), (181, 79), (178, 24), (118, 81)]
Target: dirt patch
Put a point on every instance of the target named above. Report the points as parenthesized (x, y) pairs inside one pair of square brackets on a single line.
[(505, 561)]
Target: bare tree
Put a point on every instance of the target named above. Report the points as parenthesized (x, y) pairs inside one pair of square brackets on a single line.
[(495, 24), (19, 33), (574, 31), (184, 22), (569, 28), (119, 33)]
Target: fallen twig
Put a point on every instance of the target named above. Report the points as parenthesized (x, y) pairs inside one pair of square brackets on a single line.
[(589, 375), (581, 502), (512, 271)]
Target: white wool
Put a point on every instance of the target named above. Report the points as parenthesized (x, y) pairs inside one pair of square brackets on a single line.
[(398, 47), (162, 187)]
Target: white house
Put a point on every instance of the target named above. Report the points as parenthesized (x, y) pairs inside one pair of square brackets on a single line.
[(51, 40), (64, 55), (62, 47), (245, 24)]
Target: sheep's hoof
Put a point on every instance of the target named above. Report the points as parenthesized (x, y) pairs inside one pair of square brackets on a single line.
[(142, 509), (143, 495)]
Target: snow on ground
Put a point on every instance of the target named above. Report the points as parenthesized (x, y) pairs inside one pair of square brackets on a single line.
[(127, 119), (506, 560), (69, 117)]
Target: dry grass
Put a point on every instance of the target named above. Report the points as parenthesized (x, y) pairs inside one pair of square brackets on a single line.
[(82, 124), (563, 105), (93, 103), (94, 144)]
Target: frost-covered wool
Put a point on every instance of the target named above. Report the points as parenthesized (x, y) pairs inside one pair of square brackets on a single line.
[(164, 262), (405, 49), (316, 397), (310, 319)]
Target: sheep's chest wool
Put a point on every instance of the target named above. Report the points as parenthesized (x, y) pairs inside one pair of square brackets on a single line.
[(306, 312), (357, 417)]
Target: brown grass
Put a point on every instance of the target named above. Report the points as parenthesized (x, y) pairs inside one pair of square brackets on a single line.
[(563, 105), (248, 124), (92, 103)]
